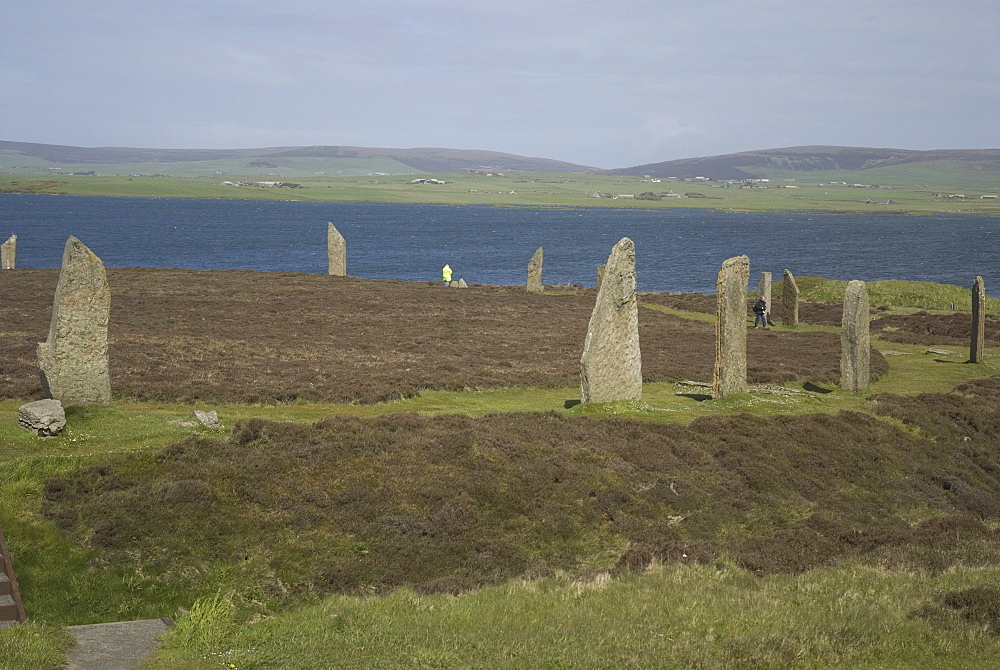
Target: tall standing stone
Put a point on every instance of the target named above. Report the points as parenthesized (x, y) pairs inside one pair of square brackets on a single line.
[(336, 252), (789, 301), (764, 291), (855, 339), (73, 362), (602, 270), (978, 321), (611, 365), (535, 272), (8, 253), (730, 374)]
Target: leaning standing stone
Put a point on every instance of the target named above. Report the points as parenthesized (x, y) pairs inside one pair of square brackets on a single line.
[(535, 272), (336, 252), (855, 339), (730, 374), (764, 291), (611, 365), (73, 362), (978, 321), (44, 417), (790, 301), (8, 253)]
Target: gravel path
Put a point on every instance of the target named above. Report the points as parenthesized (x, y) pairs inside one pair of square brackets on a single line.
[(115, 646)]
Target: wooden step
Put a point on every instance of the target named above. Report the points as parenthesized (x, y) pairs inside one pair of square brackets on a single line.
[(11, 607), (5, 586), (8, 608)]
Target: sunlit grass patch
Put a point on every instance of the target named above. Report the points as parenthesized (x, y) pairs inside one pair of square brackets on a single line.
[(672, 616), (36, 646)]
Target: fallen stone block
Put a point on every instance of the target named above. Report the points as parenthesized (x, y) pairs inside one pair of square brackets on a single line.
[(44, 417)]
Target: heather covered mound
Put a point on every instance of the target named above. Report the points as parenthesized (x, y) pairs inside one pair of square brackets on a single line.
[(925, 328), (451, 502), (922, 327), (815, 313), (245, 336)]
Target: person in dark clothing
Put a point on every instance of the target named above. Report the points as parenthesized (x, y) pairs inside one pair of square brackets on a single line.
[(760, 312)]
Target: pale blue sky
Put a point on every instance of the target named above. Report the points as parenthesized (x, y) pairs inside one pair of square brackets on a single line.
[(607, 84)]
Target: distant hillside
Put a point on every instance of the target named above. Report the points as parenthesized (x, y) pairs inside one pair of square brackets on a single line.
[(786, 162), (182, 161)]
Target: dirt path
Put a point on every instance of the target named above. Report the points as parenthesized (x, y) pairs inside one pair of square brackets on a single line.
[(114, 646)]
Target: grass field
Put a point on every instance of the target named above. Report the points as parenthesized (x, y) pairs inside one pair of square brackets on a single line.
[(480, 517), (532, 190)]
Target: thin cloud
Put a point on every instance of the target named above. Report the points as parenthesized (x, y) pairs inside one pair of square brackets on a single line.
[(591, 82)]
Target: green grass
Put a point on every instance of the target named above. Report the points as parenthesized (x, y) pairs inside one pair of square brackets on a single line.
[(542, 189), (37, 646), (901, 296), (954, 176), (674, 616)]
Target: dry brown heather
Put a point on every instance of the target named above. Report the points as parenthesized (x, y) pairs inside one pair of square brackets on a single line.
[(245, 336), (924, 328), (815, 313), (449, 502), (919, 328)]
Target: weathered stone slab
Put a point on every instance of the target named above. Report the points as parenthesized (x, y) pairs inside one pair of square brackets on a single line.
[(978, 321), (611, 364), (73, 362), (45, 417), (8, 253), (209, 419), (336, 252), (461, 283), (730, 374), (789, 300), (602, 270), (535, 272), (764, 291), (855, 339)]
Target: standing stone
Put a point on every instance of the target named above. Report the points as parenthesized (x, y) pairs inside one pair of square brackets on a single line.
[(855, 339), (602, 270), (461, 283), (336, 252), (73, 362), (790, 301), (535, 272), (978, 321), (764, 291), (611, 365), (8, 253), (730, 374)]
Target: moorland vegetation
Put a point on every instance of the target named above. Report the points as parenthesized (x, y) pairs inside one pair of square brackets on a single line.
[(388, 494)]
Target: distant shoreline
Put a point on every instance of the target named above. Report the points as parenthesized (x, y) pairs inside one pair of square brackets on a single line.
[(534, 190)]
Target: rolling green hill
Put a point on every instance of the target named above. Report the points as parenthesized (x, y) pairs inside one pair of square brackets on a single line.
[(816, 164), (30, 158)]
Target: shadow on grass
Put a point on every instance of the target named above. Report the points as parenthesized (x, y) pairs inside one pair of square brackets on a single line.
[(813, 388), (571, 403), (699, 397)]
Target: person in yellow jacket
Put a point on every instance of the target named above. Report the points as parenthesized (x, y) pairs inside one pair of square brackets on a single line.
[(446, 274)]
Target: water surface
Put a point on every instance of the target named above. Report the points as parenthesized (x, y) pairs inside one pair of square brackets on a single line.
[(677, 249)]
